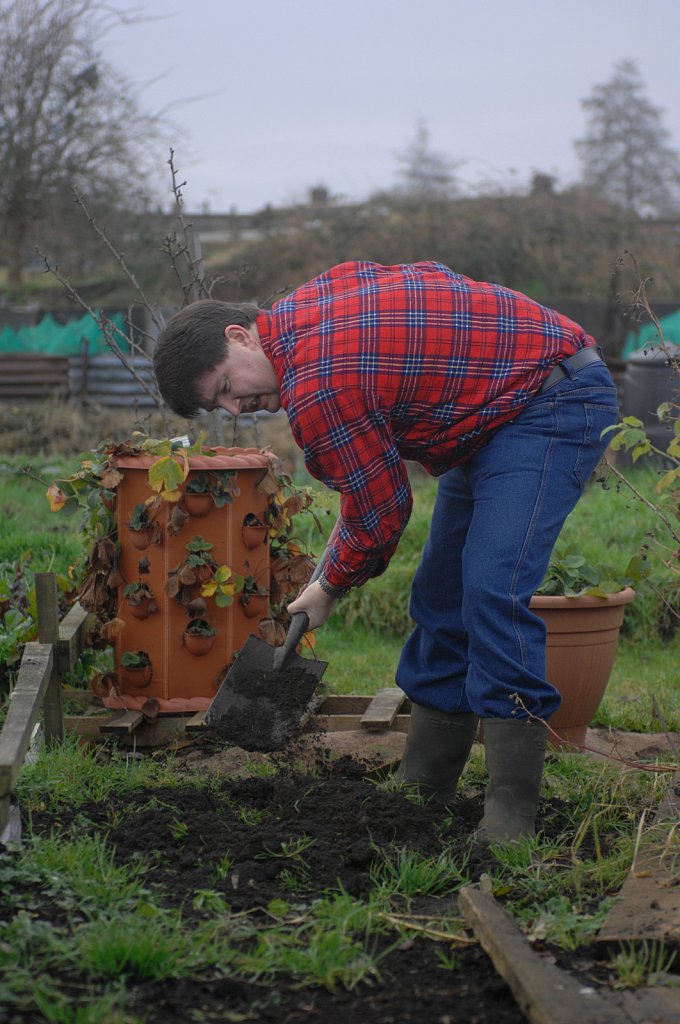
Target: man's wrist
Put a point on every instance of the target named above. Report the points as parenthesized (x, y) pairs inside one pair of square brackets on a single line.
[(335, 592)]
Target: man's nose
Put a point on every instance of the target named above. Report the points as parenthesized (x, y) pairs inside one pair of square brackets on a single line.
[(232, 405)]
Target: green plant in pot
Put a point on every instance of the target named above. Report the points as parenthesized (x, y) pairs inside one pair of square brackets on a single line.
[(582, 605), (143, 529), (210, 489), (254, 598), (137, 668), (198, 566), (199, 636), (140, 599)]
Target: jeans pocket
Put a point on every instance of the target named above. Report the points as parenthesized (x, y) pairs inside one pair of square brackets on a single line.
[(597, 418)]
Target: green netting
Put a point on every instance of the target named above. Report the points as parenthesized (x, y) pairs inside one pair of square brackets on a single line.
[(55, 339), (649, 335)]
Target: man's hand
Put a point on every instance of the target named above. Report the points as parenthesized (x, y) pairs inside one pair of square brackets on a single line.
[(316, 602)]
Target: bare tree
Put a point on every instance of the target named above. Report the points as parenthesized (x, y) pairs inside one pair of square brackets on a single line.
[(67, 118), (625, 152)]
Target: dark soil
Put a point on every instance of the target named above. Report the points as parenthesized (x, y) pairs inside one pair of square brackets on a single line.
[(350, 821), (263, 710)]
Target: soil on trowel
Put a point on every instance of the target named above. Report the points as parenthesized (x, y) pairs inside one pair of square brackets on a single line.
[(183, 836), (265, 709)]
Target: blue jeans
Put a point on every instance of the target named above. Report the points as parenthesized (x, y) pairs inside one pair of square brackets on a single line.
[(494, 525)]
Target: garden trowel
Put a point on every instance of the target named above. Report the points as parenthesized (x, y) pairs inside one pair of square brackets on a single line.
[(266, 695)]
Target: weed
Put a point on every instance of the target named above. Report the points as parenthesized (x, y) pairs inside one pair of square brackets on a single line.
[(179, 830), (449, 960), (641, 964), (334, 947), (210, 901), (409, 874), (261, 769), (560, 921), (224, 867), (291, 849)]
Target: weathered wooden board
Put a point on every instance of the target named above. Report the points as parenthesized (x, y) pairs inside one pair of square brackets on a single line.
[(543, 992), (34, 675), (124, 723), (71, 642), (649, 905), (383, 709)]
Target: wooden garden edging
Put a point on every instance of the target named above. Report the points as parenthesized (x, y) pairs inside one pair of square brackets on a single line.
[(38, 684), (546, 994)]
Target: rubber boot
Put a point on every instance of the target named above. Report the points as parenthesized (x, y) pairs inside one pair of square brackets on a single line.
[(437, 747), (515, 752)]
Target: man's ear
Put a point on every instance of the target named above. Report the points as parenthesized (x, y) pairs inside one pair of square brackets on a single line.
[(239, 334)]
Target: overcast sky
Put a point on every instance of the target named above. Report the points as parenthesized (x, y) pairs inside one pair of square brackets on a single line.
[(287, 94)]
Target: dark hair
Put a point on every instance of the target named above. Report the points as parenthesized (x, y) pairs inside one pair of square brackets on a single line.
[(190, 345)]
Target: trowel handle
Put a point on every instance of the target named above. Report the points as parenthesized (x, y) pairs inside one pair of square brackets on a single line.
[(299, 622)]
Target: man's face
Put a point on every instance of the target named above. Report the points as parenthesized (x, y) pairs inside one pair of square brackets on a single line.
[(245, 380)]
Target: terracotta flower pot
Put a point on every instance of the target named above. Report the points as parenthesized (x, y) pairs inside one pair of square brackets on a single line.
[(255, 605), (582, 638), (253, 536), (140, 611), (138, 676), (140, 539), (198, 644), (198, 505)]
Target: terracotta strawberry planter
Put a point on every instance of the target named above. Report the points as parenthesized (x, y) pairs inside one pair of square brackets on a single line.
[(198, 505), (183, 681), (582, 638)]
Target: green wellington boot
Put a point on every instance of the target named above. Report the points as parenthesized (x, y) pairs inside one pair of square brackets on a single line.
[(437, 747), (515, 752)]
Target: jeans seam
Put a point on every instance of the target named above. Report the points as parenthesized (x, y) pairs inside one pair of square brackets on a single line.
[(530, 534)]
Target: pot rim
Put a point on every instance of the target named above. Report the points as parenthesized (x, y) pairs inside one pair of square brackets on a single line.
[(624, 596)]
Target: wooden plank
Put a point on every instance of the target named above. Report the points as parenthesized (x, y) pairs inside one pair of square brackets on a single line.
[(383, 709), (85, 725), (48, 633), (73, 629), (345, 704), (352, 723), (25, 701), (649, 905), (543, 992), (125, 723), (196, 723)]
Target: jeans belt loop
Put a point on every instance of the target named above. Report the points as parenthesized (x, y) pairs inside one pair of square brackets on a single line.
[(576, 362)]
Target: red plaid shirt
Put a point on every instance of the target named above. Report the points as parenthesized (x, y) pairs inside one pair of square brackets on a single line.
[(380, 364)]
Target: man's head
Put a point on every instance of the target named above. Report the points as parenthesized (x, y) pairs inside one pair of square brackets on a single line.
[(209, 355)]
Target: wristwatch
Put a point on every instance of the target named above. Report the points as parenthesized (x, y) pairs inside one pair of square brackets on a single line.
[(335, 592)]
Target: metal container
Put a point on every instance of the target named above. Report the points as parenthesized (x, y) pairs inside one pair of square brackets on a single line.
[(652, 376)]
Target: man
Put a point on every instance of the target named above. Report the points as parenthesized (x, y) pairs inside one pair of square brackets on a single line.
[(501, 398)]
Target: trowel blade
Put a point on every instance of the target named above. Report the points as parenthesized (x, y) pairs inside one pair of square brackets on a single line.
[(260, 708)]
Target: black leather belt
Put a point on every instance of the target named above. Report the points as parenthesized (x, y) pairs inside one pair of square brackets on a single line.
[(577, 361)]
